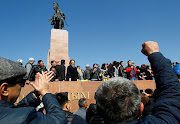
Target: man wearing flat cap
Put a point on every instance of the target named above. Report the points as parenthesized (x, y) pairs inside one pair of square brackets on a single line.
[(11, 81)]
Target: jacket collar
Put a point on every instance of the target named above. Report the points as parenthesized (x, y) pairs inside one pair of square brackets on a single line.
[(82, 108), (6, 104)]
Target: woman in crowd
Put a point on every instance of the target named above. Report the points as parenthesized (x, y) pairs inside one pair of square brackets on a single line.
[(104, 72), (116, 69), (142, 74)]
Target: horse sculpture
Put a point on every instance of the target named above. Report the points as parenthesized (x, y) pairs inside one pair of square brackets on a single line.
[(58, 18)]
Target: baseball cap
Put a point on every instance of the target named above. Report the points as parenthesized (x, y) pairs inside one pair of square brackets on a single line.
[(87, 65), (31, 59)]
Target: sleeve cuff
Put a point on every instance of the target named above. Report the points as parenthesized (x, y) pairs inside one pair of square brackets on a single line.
[(155, 56)]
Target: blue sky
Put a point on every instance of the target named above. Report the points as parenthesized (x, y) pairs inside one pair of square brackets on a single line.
[(99, 30)]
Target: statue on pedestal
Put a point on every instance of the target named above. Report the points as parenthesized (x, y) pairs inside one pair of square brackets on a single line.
[(58, 18)]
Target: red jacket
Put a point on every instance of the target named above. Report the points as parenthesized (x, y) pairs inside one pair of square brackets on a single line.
[(128, 70)]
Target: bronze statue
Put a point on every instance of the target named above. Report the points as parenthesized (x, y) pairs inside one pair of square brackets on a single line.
[(58, 18)]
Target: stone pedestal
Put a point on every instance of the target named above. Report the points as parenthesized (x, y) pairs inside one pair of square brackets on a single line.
[(58, 47)]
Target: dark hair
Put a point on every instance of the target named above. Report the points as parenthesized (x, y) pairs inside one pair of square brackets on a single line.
[(117, 64), (39, 61), (52, 61), (120, 62), (94, 64), (103, 66), (82, 101), (114, 62), (71, 61), (62, 98), (149, 91), (78, 66), (62, 61), (15, 80), (137, 67)]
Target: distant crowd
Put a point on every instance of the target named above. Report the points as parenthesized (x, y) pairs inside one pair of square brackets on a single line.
[(96, 73)]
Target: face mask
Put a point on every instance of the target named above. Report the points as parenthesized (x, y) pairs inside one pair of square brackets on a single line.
[(69, 109)]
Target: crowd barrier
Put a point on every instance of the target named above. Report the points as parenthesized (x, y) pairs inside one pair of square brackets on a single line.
[(81, 89)]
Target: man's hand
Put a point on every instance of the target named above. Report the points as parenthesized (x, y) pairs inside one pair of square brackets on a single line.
[(41, 84), (95, 69), (149, 47), (56, 79)]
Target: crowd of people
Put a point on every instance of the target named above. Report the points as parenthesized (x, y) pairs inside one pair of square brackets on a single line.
[(118, 100), (90, 114), (97, 73)]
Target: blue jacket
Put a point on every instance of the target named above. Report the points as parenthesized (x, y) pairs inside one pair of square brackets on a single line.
[(177, 69), (167, 105), (25, 111)]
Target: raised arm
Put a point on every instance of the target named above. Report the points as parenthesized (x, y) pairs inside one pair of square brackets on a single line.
[(30, 100), (54, 113), (167, 106)]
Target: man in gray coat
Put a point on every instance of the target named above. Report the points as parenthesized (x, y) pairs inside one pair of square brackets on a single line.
[(87, 72), (28, 67), (82, 108)]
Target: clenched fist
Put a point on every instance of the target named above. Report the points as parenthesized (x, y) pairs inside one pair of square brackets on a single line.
[(149, 47)]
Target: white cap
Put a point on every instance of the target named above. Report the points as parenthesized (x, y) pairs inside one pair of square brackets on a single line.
[(87, 65), (31, 59), (20, 60)]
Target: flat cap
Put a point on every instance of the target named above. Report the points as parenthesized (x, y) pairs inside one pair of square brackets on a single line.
[(10, 69)]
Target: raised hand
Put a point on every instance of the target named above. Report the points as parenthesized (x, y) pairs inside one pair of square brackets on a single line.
[(41, 84), (149, 47)]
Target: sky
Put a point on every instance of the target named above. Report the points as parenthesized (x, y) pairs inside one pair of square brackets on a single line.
[(100, 31)]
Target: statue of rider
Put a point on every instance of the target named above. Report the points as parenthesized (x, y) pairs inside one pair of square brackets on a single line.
[(58, 18)]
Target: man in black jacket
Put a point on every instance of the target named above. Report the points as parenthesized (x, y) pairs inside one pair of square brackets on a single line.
[(94, 76), (11, 81), (37, 68), (60, 70), (53, 65), (111, 69), (62, 98)]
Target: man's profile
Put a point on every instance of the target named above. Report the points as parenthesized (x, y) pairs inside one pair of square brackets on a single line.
[(11, 81)]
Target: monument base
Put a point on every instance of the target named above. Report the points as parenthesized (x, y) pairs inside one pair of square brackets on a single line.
[(80, 89), (58, 47)]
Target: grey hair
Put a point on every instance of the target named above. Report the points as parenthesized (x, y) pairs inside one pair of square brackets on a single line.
[(82, 101), (118, 100)]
